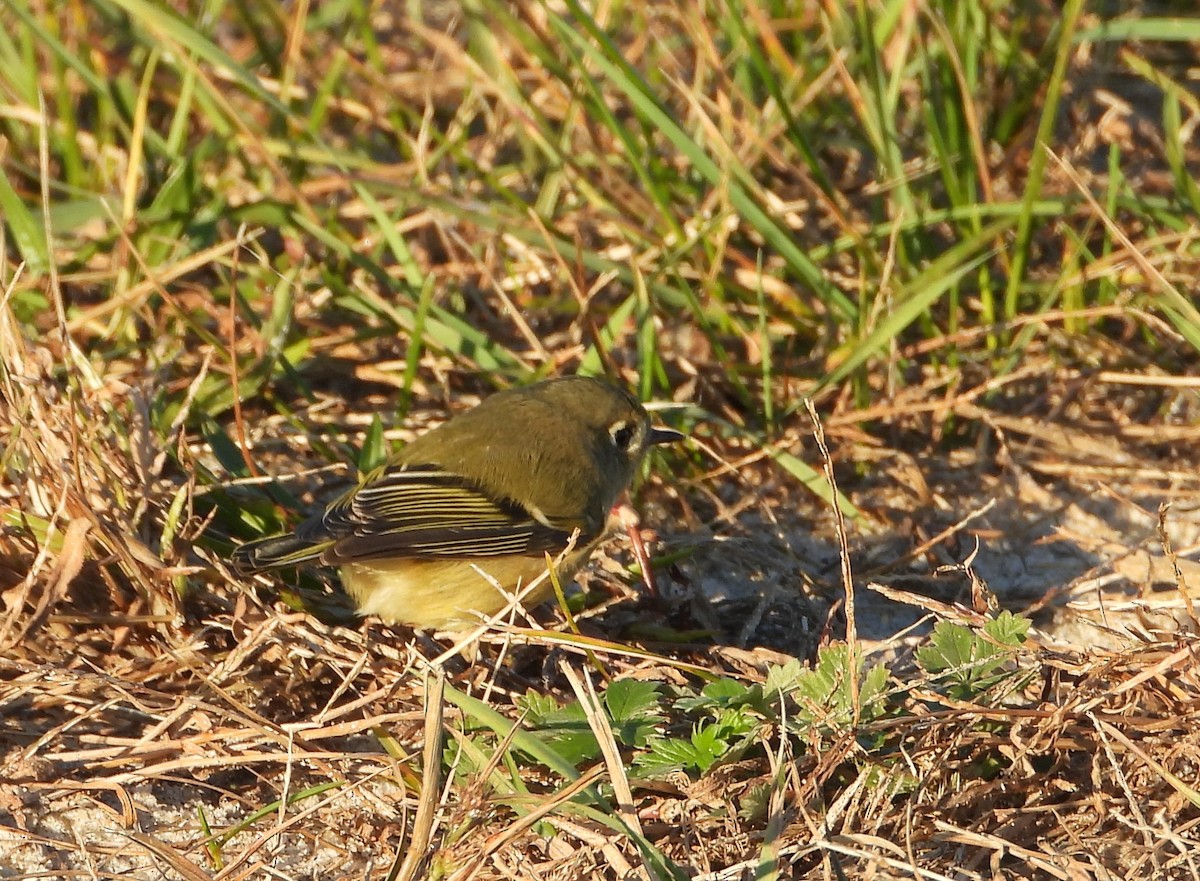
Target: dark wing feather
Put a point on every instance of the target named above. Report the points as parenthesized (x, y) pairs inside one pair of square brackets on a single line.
[(423, 511)]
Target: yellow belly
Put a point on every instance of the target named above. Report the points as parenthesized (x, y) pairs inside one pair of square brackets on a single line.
[(447, 593)]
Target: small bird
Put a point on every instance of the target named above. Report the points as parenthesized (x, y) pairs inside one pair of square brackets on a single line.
[(477, 502)]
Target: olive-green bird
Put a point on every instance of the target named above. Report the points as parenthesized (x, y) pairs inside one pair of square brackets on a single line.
[(491, 491)]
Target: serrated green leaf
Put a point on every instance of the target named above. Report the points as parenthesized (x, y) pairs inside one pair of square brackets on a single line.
[(666, 755), (970, 662), (708, 745), (576, 743), (719, 693), (734, 722), (1008, 628), (634, 711), (950, 646), (564, 728), (725, 690), (783, 678), (526, 741), (632, 699), (825, 695), (872, 688), (537, 706)]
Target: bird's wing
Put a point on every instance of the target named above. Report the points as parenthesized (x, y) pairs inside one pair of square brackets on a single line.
[(424, 511)]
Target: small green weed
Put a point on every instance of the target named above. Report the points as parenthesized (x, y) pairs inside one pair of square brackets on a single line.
[(693, 730), (970, 664)]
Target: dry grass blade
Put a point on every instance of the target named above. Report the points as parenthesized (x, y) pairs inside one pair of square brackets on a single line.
[(499, 841), (585, 693), (188, 870), (418, 847), (847, 572), (1187, 791)]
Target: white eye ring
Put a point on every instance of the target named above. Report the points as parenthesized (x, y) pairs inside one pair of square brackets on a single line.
[(622, 434)]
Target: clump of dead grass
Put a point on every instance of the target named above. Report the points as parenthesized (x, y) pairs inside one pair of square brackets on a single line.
[(1090, 774), (83, 484)]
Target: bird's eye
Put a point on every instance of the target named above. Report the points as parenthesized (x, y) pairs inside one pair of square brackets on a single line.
[(622, 435)]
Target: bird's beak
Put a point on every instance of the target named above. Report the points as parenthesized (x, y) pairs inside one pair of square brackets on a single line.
[(659, 435)]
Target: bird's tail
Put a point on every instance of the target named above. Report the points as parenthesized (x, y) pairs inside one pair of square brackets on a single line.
[(276, 552)]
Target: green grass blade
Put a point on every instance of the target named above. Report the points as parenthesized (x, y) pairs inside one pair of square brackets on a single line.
[(1037, 162), (604, 56), (918, 295), (1183, 30), (164, 23), (56, 46), (27, 232)]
